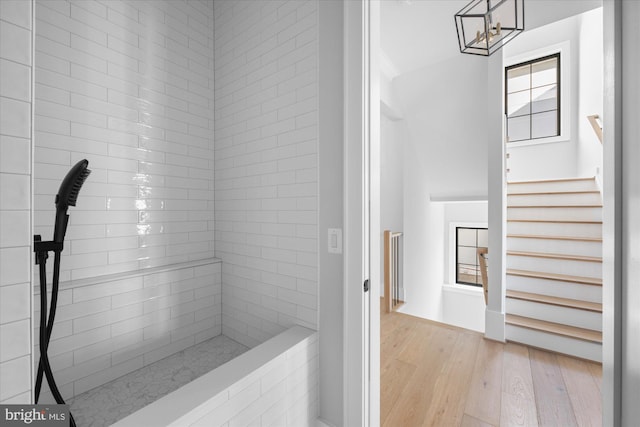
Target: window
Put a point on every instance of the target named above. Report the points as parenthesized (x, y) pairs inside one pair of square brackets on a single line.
[(532, 99), (468, 240)]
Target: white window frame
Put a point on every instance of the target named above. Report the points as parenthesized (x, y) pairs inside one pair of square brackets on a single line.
[(564, 49), (452, 255)]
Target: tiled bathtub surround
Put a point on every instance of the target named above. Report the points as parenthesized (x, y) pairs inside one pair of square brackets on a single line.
[(110, 326), (266, 88), (273, 384), (127, 85), (15, 200), (113, 401)]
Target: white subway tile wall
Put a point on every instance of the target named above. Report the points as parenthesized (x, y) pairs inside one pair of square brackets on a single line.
[(15, 200), (107, 329), (266, 89), (282, 393), (127, 85)]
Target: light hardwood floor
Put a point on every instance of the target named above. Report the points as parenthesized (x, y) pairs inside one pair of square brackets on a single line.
[(438, 375)]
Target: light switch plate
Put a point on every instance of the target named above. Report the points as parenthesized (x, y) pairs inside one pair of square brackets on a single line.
[(334, 241)]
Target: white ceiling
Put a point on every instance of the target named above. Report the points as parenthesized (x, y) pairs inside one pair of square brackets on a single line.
[(417, 33)]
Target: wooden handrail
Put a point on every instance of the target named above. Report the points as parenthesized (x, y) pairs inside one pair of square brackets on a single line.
[(483, 272), (593, 119), (391, 264)]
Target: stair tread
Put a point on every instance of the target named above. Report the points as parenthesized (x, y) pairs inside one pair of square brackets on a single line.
[(537, 236), (555, 328), (553, 300), (559, 221), (555, 276), (555, 256), (555, 206), (586, 178), (540, 193)]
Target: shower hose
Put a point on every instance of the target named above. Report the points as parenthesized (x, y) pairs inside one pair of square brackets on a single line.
[(46, 326)]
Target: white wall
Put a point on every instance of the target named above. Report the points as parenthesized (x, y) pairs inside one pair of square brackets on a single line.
[(630, 232), (266, 165), (128, 86), (445, 158), (579, 153), (392, 140), (330, 210), (15, 200), (591, 92), (553, 159), (462, 305)]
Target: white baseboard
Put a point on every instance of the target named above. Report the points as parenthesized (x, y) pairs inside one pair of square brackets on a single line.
[(494, 325)]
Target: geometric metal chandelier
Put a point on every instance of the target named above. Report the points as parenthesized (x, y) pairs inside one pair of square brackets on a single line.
[(484, 26)]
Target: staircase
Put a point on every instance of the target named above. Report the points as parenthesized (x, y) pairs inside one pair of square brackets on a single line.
[(554, 266)]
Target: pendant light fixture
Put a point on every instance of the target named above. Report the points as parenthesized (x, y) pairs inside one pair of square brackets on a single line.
[(484, 26)]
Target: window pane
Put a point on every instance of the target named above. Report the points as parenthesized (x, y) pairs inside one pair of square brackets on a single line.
[(544, 99), (468, 274), (519, 128), (544, 124), (467, 255), (518, 79), (483, 238), (544, 72), (519, 103), (466, 237)]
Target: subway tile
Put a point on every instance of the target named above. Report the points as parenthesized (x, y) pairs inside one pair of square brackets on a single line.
[(15, 81), (15, 340), (14, 228), (15, 42), (15, 302), (16, 117), (15, 155), (65, 82), (137, 348), (49, 125), (54, 110), (52, 94), (17, 12), (62, 330), (165, 351), (16, 377), (14, 265), (79, 340)]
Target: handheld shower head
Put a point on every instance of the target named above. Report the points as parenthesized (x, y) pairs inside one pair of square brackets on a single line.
[(67, 196)]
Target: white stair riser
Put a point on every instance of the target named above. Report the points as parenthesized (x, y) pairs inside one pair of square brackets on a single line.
[(555, 288), (557, 266), (556, 214), (555, 229), (561, 344), (562, 199), (556, 314), (539, 187), (555, 246)]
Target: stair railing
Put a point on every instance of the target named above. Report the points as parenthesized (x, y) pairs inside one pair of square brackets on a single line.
[(392, 271), (597, 128), (482, 260)]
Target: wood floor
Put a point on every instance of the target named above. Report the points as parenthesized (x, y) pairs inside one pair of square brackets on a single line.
[(439, 375)]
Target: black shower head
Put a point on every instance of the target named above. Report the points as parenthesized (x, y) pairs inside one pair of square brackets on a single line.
[(67, 196)]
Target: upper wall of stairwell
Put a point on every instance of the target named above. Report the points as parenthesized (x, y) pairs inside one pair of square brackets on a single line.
[(577, 152)]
